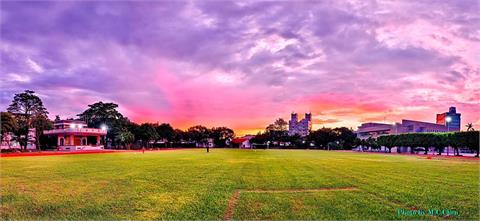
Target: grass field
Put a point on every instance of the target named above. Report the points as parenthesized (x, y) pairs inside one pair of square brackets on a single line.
[(238, 184)]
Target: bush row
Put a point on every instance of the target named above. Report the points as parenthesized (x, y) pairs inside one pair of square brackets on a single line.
[(464, 139)]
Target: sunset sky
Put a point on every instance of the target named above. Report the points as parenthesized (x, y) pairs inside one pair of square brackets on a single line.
[(243, 64)]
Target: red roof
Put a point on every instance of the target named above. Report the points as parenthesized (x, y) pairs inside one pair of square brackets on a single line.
[(239, 140)]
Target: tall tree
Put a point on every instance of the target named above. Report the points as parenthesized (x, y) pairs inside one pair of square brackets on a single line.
[(278, 130), (24, 107), (279, 125), (100, 113)]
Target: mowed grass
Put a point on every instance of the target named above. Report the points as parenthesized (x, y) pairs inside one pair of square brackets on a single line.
[(191, 184)]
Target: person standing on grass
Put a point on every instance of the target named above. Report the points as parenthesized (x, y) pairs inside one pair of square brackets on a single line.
[(208, 148), (143, 150)]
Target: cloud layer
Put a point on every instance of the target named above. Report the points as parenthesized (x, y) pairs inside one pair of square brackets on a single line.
[(242, 64)]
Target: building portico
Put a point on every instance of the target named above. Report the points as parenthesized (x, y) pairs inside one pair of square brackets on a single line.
[(74, 135)]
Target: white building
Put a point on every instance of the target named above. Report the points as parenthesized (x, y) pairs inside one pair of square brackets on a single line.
[(301, 127), (9, 141), (375, 130), (74, 135), (243, 142)]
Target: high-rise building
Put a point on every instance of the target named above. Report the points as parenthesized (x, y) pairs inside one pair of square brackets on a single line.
[(301, 127), (450, 119)]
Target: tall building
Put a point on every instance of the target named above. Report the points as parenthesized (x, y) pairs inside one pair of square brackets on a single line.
[(455, 119), (301, 127)]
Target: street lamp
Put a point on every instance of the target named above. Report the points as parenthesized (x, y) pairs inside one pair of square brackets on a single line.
[(448, 119), (104, 128)]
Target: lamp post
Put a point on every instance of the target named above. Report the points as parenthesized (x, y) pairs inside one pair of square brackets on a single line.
[(104, 128), (448, 120)]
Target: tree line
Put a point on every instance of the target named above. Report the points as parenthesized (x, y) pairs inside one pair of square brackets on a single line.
[(27, 111), (426, 141), (276, 134), (343, 138)]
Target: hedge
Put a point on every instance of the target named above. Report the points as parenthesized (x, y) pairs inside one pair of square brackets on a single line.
[(464, 139)]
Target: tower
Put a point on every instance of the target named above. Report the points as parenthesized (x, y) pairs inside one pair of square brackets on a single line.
[(301, 127), (293, 122), (294, 117), (308, 116)]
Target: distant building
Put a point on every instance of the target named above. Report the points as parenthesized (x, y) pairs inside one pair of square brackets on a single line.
[(9, 141), (242, 142), (74, 135), (375, 130), (301, 127), (412, 126), (455, 119)]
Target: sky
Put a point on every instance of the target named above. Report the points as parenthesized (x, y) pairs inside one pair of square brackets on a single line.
[(243, 64)]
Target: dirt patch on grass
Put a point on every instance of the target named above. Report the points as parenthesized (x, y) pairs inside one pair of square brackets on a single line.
[(299, 190), (228, 215)]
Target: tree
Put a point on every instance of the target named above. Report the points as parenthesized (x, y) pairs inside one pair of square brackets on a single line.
[(322, 137), (469, 139), (199, 134), (345, 136), (280, 125), (278, 129), (178, 135), (165, 131), (125, 138), (473, 141), (8, 125), (388, 141), (260, 139), (220, 135), (470, 127), (118, 126), (147, 133), (24, 106), (100, 113), (40, 123)]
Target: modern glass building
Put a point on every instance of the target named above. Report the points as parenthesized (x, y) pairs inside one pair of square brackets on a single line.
[(450, 119)]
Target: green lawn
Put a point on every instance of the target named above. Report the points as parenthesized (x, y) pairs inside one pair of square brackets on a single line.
[(191, 184)]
